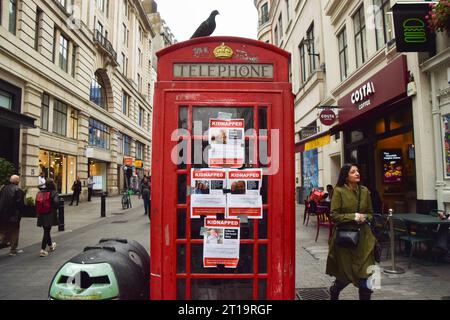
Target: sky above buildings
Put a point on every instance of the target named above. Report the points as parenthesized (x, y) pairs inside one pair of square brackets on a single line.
[(238, 18)]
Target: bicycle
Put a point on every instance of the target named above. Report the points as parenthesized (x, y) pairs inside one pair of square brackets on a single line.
[(126, 200)]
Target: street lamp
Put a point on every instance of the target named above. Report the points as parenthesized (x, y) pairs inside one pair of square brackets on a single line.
[(310, 45)]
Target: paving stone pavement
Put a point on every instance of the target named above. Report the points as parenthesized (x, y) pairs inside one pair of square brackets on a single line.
[(425, 280)]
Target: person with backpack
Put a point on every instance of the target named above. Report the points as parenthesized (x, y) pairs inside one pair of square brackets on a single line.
[(11, 207), (47, 214), (76, 188)]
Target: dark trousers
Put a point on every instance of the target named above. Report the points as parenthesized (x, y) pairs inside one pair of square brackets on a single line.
[(90, 193), (9, 232), (146, 205), (47, 239), (75, 196), (338, 286)]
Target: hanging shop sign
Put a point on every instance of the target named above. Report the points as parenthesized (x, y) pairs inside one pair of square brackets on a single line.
[(245, 193), (138, 163), (208, 198), (327, 117), (226, 138), (221, 243), (411, 28), (128, 161)]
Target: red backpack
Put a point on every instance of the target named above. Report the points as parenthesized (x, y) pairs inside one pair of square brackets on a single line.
[(43, 203)]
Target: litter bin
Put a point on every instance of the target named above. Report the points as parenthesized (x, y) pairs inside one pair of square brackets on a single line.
[(112, 269)]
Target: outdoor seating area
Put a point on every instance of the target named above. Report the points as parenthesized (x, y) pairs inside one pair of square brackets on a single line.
[(416, 236)]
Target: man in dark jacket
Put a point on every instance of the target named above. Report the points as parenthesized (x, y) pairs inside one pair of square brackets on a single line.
[(11, 206), (76, 188)]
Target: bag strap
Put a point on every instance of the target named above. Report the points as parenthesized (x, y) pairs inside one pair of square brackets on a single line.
[(359, 199)]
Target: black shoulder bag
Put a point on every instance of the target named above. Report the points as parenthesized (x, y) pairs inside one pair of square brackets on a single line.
[(348, 237)]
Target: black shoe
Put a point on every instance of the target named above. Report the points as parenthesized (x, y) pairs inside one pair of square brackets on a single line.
[(334, 292), (70, 204), (365, 294)]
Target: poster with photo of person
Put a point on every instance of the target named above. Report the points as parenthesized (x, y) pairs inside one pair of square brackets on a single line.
[(227, 141), (221, 243), (245, 193), (207, 197)]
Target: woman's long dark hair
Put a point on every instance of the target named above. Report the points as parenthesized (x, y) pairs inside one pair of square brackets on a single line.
[(50, 184), (343, 174)]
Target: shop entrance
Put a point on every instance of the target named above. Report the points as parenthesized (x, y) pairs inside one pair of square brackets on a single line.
[(204, 86), (384, 151)]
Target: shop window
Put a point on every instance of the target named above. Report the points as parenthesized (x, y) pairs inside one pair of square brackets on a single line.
[(60, 167), (446, 119), (400, 119), (98, 134), (380, 125)]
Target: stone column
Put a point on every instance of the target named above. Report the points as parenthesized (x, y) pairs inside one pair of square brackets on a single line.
[(112, 177), (423, 139), (82, 160), (29, 166)]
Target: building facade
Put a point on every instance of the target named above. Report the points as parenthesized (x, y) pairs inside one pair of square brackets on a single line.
[(84, 71), (353, 68)]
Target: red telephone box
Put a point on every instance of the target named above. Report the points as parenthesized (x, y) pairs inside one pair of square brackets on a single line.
[(199, 80)]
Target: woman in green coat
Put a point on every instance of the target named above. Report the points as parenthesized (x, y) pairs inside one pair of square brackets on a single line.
[(351, 264), (46, 221)]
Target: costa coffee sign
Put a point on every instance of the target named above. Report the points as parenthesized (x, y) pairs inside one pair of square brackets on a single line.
[(386, 86), (361, 96), (327, 117)]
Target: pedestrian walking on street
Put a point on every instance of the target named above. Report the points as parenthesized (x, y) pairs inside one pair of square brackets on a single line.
[(351, 209), (76, 188), (11, 207), (47, 211), (41, 184), (145, 194), (90, 185)]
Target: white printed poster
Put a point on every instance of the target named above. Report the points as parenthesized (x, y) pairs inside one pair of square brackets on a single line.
[(245, 196), (221, 243), (227, 141), (207, 198)]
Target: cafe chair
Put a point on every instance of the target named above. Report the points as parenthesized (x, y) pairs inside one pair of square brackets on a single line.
[(403, 234), (381, 232), (324, 219), (306, 215)]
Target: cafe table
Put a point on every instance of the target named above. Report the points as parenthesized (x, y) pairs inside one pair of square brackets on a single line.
[(424, 220), (420, 219)]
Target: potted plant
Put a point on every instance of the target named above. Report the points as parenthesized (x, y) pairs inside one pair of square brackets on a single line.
[(29, 208), (438, 17)]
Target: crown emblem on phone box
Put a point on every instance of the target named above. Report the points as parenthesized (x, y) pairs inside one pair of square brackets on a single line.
[(223, 52)]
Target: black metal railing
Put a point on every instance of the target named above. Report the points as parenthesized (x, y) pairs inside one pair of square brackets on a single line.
[(99, 38)]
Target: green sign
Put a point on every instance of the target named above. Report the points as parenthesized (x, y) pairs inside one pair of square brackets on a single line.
[(411, 31)]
